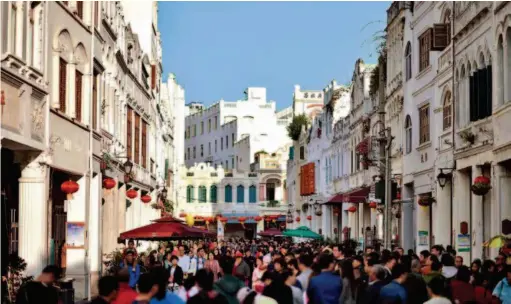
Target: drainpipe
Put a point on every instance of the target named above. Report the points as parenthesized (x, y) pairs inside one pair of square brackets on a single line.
[(453, 123)]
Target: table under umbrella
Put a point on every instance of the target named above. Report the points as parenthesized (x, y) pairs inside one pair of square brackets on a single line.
[(166, 228), (302, 232)]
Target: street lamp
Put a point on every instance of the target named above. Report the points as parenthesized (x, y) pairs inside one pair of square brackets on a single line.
[(128, 166), (164, 193), (442, 178)]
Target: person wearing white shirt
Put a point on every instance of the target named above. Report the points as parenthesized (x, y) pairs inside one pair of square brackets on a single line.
[(184, 260), (192, 268)]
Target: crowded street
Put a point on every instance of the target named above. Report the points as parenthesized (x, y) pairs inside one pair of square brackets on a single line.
[(255, 152)]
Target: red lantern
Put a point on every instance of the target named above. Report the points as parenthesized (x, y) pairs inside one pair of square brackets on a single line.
[(69, 187), (309, 218), (352, 209), (258, 219), (223, 219), (297, 219), (108, 183), (182, 214), (267, 219), (146, 199), (131, 194), (242, 219), (373, 205)]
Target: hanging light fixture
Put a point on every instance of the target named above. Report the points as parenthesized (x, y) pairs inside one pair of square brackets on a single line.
[(128, 166)]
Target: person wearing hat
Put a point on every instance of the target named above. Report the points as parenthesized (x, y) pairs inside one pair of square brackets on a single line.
[(241, 268)]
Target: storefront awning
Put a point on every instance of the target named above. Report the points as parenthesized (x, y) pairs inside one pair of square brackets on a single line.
[(358, 195), (233, 218), (336, 199)]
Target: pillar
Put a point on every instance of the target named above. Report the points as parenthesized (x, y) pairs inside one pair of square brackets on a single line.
[(461, 210), (477, 219), (94, 232), (423, 233), (326, 226), (442, 216), (76, 266), (33, 216), (501, 206)]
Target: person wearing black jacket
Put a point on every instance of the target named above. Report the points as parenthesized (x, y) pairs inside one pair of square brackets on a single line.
[(176, 273), (376, 283), (40, 290), (204, 279)]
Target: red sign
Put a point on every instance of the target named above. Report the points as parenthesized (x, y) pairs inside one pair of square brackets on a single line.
[(307, 179)]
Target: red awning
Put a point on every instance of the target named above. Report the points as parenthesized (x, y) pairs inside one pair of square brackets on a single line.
[(336, 199), (356, 196), (271, 232), (166, 228)]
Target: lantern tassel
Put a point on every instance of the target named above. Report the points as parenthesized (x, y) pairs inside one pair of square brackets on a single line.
[(69, 196)]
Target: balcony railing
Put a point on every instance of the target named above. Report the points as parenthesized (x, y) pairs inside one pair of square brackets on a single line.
[(141, 175)]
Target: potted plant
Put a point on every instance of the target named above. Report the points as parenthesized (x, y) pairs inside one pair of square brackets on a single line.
[(481, 185), (426, 201), (468, 136)]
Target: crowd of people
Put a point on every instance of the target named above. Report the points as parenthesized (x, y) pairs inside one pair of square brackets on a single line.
[(259, 272)]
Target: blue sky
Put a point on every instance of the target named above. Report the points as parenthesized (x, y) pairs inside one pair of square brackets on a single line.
[(217, 49)]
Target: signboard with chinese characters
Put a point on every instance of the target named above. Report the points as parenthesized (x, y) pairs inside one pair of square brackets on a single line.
[(307, 179)]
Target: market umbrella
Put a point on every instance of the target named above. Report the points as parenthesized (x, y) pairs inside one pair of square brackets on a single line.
[(302, 232), (165, 228), (496, 242), (271, 232)]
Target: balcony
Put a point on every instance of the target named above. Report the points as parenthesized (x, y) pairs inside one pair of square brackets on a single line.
[(141, 174)]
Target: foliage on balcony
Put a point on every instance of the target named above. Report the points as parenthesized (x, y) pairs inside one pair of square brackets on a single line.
[(380, 38), (294, 129), (106, 162), (468, 136)]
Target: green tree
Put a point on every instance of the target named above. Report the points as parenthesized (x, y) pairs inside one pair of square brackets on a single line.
[(295, 127)]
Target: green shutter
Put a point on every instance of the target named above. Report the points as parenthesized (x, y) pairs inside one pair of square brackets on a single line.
[(166, 169)]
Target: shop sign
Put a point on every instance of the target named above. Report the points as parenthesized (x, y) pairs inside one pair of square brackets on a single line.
[(463, 243)]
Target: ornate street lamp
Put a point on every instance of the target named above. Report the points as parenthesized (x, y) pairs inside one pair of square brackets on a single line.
[(442, 177), (164, 193), (128, 166)]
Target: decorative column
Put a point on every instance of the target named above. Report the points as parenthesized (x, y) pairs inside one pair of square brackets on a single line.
[(442, 216), (262, 192), (94, 230), (461, 209), (477, 219), (33, 215), (76, 266), (326, 226), (71, 89), (500, 206)]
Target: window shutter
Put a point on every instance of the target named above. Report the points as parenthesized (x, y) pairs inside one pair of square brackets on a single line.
[(440, 36), (489, 91), (79, 9), (153, 76), (472, 99), (137, 139), (482, 90), (78, 96), (62, 84), (144, 144), (129, 135), (95, 100)]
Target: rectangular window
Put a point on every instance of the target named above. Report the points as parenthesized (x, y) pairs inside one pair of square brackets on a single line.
[(96, 13), (201, 150), (194, 130), (209, 148), (232, 162), (79, 9), (227, 142), (144, 144), (302, 153), (194, 155), (14, 14), (188, 153), (480, 94), (129, 134), (201, 127), (424, 49), (95, 100), (441, 36), (153, 76), (137, 139), (216, 122), (31, 33), (187, 135), (78, 96), (215, 145), (232, 139), (62, 85), (221, 144), (209, 125), (424, 124), (226, 165)]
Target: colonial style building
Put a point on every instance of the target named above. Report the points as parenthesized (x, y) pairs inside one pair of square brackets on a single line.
[(82, 123), (212, 133)]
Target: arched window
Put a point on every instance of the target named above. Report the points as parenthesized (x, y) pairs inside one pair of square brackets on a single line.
[(447, 110), (252, 198), (408, 134), (202, 194), (189, 194), (408, 60), (212, 194), (500, 71), (240, 194), (228, 194)]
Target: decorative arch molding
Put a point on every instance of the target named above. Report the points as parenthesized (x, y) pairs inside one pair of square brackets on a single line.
[(63, 44), (80, 55), (272, 176)]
